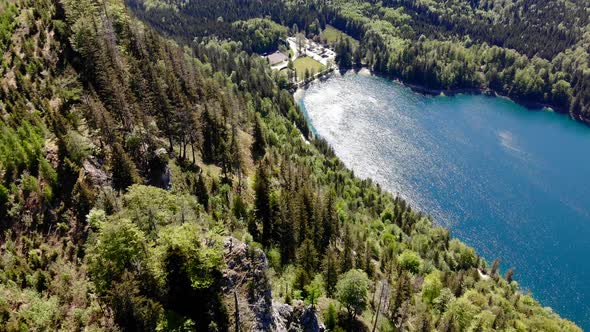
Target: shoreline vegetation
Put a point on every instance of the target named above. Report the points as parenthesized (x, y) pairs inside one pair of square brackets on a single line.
[(346, 48), (321, 76), (528, 104), (449, 45)]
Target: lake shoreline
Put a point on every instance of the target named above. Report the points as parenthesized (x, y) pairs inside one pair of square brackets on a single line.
[(528, 104)]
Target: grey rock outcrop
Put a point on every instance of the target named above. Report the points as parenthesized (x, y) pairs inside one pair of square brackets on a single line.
[(245, 278), (95, 174), (297, 317)]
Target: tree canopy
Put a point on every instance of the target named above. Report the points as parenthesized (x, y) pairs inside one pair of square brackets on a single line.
[(352, 291)]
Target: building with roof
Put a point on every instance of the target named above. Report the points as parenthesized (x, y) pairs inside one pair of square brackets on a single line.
[(276, 58)]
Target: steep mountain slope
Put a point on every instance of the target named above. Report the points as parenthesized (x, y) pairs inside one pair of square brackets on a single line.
[(127, 160)]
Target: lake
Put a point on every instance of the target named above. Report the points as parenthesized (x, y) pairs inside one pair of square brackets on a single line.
[(513, 183)]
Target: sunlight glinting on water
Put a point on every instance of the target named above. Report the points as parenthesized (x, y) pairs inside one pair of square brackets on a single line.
[(332, 121), (503, 179)]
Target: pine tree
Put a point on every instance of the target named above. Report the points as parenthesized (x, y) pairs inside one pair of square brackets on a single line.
[(202, 192), (343, 53), (307, 257), (347, 258), (330, 271), (286, 232), (215, 143), (3, 201), (509, 275), (401, 294), (360, 256), (330, 221), (262, 206), (357, 56), (259, 144), (123, 168)]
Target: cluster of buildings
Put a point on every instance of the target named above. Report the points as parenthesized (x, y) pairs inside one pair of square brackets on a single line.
[(300, 47)]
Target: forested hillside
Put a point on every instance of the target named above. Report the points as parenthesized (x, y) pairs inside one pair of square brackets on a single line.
[(535, 51), (128, 162), (515, 50)]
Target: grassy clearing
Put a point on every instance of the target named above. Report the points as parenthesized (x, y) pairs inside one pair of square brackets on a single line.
[(300, 64), (333, 35)]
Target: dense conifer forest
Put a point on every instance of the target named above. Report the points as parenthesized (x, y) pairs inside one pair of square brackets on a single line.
[(536, 52), (143, 142)]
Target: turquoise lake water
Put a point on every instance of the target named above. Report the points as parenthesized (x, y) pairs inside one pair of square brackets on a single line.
[(511, 182)]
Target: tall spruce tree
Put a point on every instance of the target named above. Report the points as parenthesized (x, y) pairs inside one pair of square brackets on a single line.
[(259, 144), (123, 168), (262, 207), (330, 270)]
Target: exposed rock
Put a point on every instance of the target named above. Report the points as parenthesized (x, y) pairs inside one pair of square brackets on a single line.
[(309, 321), (245, 278), (94, 173), (298, 317), (283, 314), (51, 153)]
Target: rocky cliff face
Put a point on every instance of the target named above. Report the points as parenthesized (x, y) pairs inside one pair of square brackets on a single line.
[(248, 295), (298, 317)]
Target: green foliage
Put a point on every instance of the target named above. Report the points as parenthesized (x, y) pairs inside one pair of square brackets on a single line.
[(262, 204), (461, 312), (40, 313), (133, 310), (431, 287), (344, 53), (307, 257), (152, 208), (274, 259), (181, 245), (474, 45), (124, 170), (314, 290), (21, 149), (331, 317), (330, 269), (202, 192), (3, 201), (77, 147), (259, 144), (263, 34), (410, 261), (8, 12), (351, 291), (154, 241), (442, 302), (34, 297), (464, 257), (95, 218), (120, 247)]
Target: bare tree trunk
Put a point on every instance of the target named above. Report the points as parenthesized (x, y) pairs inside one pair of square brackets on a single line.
[(373, 298), (193, 152), (237, 312), (378, 306)]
